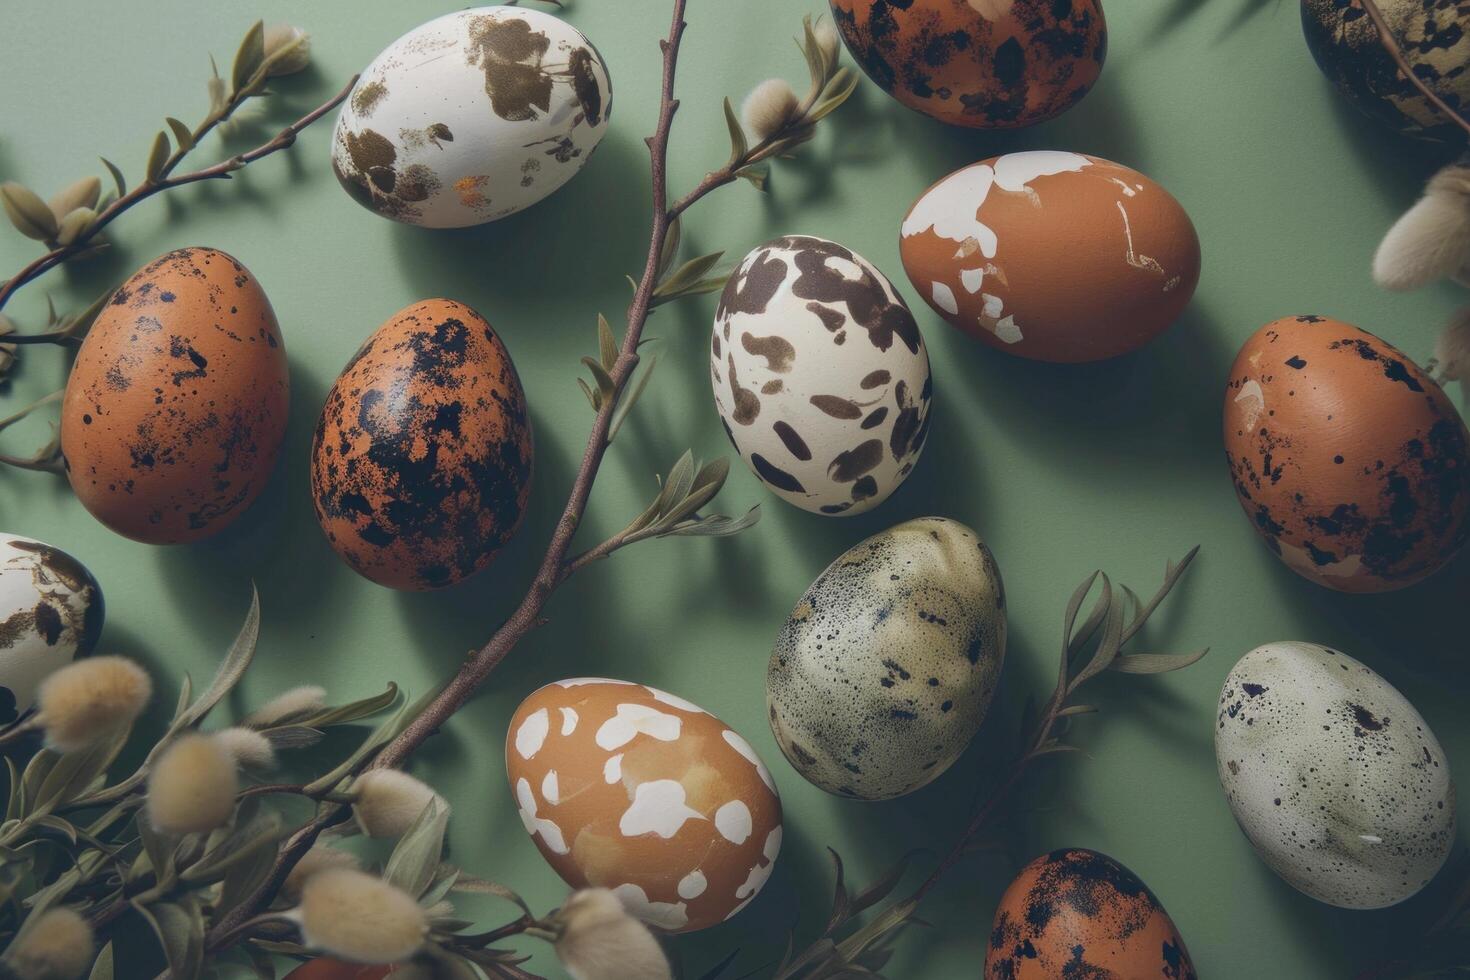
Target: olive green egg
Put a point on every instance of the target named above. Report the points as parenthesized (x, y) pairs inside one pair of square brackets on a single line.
[(886, 667)]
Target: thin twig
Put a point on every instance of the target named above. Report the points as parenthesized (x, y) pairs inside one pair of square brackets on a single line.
[(145, 190), (1391, 46)]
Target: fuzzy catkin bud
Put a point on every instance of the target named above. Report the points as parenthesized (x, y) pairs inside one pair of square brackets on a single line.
[(1432, 239), (192, 786), (601, 941), (360, 918), (90, 699), (389, 801), (57, 946), (1453, 349), (769, 106), (287, 706), (320, 858), (248, 747), (287, 50)]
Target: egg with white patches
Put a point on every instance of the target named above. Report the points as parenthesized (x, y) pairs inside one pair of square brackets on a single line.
[(625, 787), (472, 116), (1051, 255), (820, 375), (886, 667), (50, 613), (1333, 776)]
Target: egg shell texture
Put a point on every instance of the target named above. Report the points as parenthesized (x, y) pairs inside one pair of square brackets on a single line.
[(628, 788), (176, 407), (885, 669), (1350, 462), (1078, 913), (1335, 779), (51, 612), (820, 375), (1052, 255), (421, 463), (1434, 37), (989, 64), (471, 117)]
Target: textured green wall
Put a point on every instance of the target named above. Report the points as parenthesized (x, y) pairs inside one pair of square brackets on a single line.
[(1060, 469)]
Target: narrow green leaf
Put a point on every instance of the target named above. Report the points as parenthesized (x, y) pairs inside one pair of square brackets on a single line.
[(592, 396), (1111, 640), (354, 711), (816, 64), (102, 966), (1172, 574), (1076, 709), (180, 931), (607, 345), (838, 91), (669, 251), (234, 664), (416, 857), (380, 736), (1154, 663), (74, 773), (718, 525), (27, 212), (758, 174), (840, 897), (688, 274), (604, 380), (739, 147), (630, 398), (470, 885), (183, 135), (74, 224), (1055, 748), (157, 157), (676, 486), (250, 56), (117, 177)]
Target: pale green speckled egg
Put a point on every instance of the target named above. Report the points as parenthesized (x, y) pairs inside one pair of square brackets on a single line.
[(885, 668)]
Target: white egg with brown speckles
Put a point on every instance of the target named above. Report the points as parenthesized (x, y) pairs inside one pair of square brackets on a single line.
[(1333, 776), (471, 117), (886, 667), (50, 613), (820, 375)]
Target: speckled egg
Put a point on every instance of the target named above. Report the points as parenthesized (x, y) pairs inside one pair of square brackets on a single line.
[(1336, 780), (820, 375), (1434, 36), (471, 117), (1349, 461), (421, 463), (885, 669), (1078, 913), (50, 613), (176, 407), (1051, 255), (625, 787), (986, 64)]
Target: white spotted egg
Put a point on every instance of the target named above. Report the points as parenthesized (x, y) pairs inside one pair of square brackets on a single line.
[(886, 667), (1333, 776), (50, 613), (471, 117), (625, 787), (820, 375)]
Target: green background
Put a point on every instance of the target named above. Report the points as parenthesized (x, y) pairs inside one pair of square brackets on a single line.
[(1060, 469)]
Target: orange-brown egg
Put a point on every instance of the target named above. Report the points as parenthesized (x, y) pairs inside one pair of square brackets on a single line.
[(1078, 913), (1052, 255), (1349, 460), (324, 968), (987, 64), (421, 463), (176, 406), (628, 788)]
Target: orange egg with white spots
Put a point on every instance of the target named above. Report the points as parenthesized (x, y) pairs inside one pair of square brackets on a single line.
[(625, 787)]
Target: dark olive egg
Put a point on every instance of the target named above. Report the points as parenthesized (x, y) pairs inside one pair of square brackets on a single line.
[(1078, 913), (1349, 460), (985, 64), (1434, 36), (176, 406), (421, 463)]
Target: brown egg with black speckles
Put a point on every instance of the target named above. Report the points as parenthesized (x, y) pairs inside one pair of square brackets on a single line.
[(421, 463), (985, 64), (1078, 913), (1349, 460), (176, 407)]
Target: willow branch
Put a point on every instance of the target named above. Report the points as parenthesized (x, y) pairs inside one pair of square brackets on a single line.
[(166, 180)]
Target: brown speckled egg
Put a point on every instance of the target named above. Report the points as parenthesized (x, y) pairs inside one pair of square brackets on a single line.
[(627, 788), (986, 64), (421, 463), (1348, 459), (1051, 255), (1078, 913), (176, 406)]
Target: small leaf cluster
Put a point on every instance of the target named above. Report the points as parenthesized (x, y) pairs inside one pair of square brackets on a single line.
[(604, 390), (692, 277), (689, 486)]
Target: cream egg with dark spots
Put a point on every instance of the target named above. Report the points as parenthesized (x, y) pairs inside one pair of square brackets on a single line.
[(176, 407), (421, 462), (885, 669), (1349, 461), (51, 612), (820, 375)]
